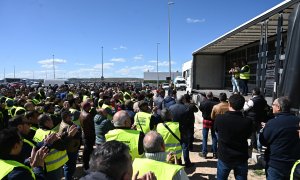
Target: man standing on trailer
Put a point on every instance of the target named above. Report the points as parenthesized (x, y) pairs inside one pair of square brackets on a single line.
[(244, 77)]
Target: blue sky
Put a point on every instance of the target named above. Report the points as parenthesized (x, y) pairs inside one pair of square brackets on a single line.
[(32, 31)]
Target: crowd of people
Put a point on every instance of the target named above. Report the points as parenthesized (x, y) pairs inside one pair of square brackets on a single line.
[(127, 133)]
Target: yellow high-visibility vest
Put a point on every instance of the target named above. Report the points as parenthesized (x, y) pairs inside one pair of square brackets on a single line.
[(161, 170), (245, 75), (28, 142), (128, 137), (142, 119), (55, 158), (19, 109), (8, 166), (104, 106), (293, 169), (172, 144)]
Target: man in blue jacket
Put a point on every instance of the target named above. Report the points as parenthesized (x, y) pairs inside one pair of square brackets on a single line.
[(280, 136)]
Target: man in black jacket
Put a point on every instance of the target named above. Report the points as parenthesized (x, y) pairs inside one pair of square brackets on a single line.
[(180, 113), (281, 137), (255, 109), (208, 124), (233, 131)]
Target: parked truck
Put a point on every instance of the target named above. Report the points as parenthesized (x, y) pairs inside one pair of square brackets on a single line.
[(269, 43)]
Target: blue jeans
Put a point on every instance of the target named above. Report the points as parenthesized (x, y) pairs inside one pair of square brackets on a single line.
[(185, 147), (214, 140), (273, 173), (70, 166), (240, 171), (235, 85)]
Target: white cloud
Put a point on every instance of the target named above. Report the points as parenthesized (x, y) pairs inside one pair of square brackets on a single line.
[(105, 66), (134, 70), (138, 57), (162, 63), (121, 47), (118, 60), (48, 63), (191, 20)]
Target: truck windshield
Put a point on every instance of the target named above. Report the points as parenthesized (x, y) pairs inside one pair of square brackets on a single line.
[(181, 81)]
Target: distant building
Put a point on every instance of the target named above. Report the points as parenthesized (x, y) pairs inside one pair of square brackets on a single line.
[(162, 76)]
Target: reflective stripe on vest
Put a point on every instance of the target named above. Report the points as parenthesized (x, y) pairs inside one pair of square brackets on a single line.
[(28, 142), (161, 170), (35, 101), (245, 75), (143, 119), (293, 169), (33, 128), (7, 166), (55, 159), (128, 137), (172, 144)]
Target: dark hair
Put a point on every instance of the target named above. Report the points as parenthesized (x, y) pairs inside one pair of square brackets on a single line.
[(64, 114), (187, 98), (256, 91), (223, 97), (209, 95), (42, 119), (284, 103), (16, 120), (30, 114), (8, 138), (237, 102), (111, 158)]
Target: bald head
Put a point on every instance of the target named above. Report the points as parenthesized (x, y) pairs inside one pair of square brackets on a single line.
[(122, 119), (153, 142)]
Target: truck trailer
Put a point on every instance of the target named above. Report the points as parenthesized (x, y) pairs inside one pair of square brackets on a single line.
[(269, 43)]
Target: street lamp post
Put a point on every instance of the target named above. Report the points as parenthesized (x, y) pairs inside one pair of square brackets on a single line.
[(169, 23), (102, 77), (157, 63)]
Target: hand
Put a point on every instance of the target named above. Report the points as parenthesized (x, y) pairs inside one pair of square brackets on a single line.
[(37, 157), (148, 176), (171, 158), (51, 138), (154, 110), (72, 130), (133, 126), (263, 124)]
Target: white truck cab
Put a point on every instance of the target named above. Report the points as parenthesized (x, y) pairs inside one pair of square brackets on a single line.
[(180, 83)]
